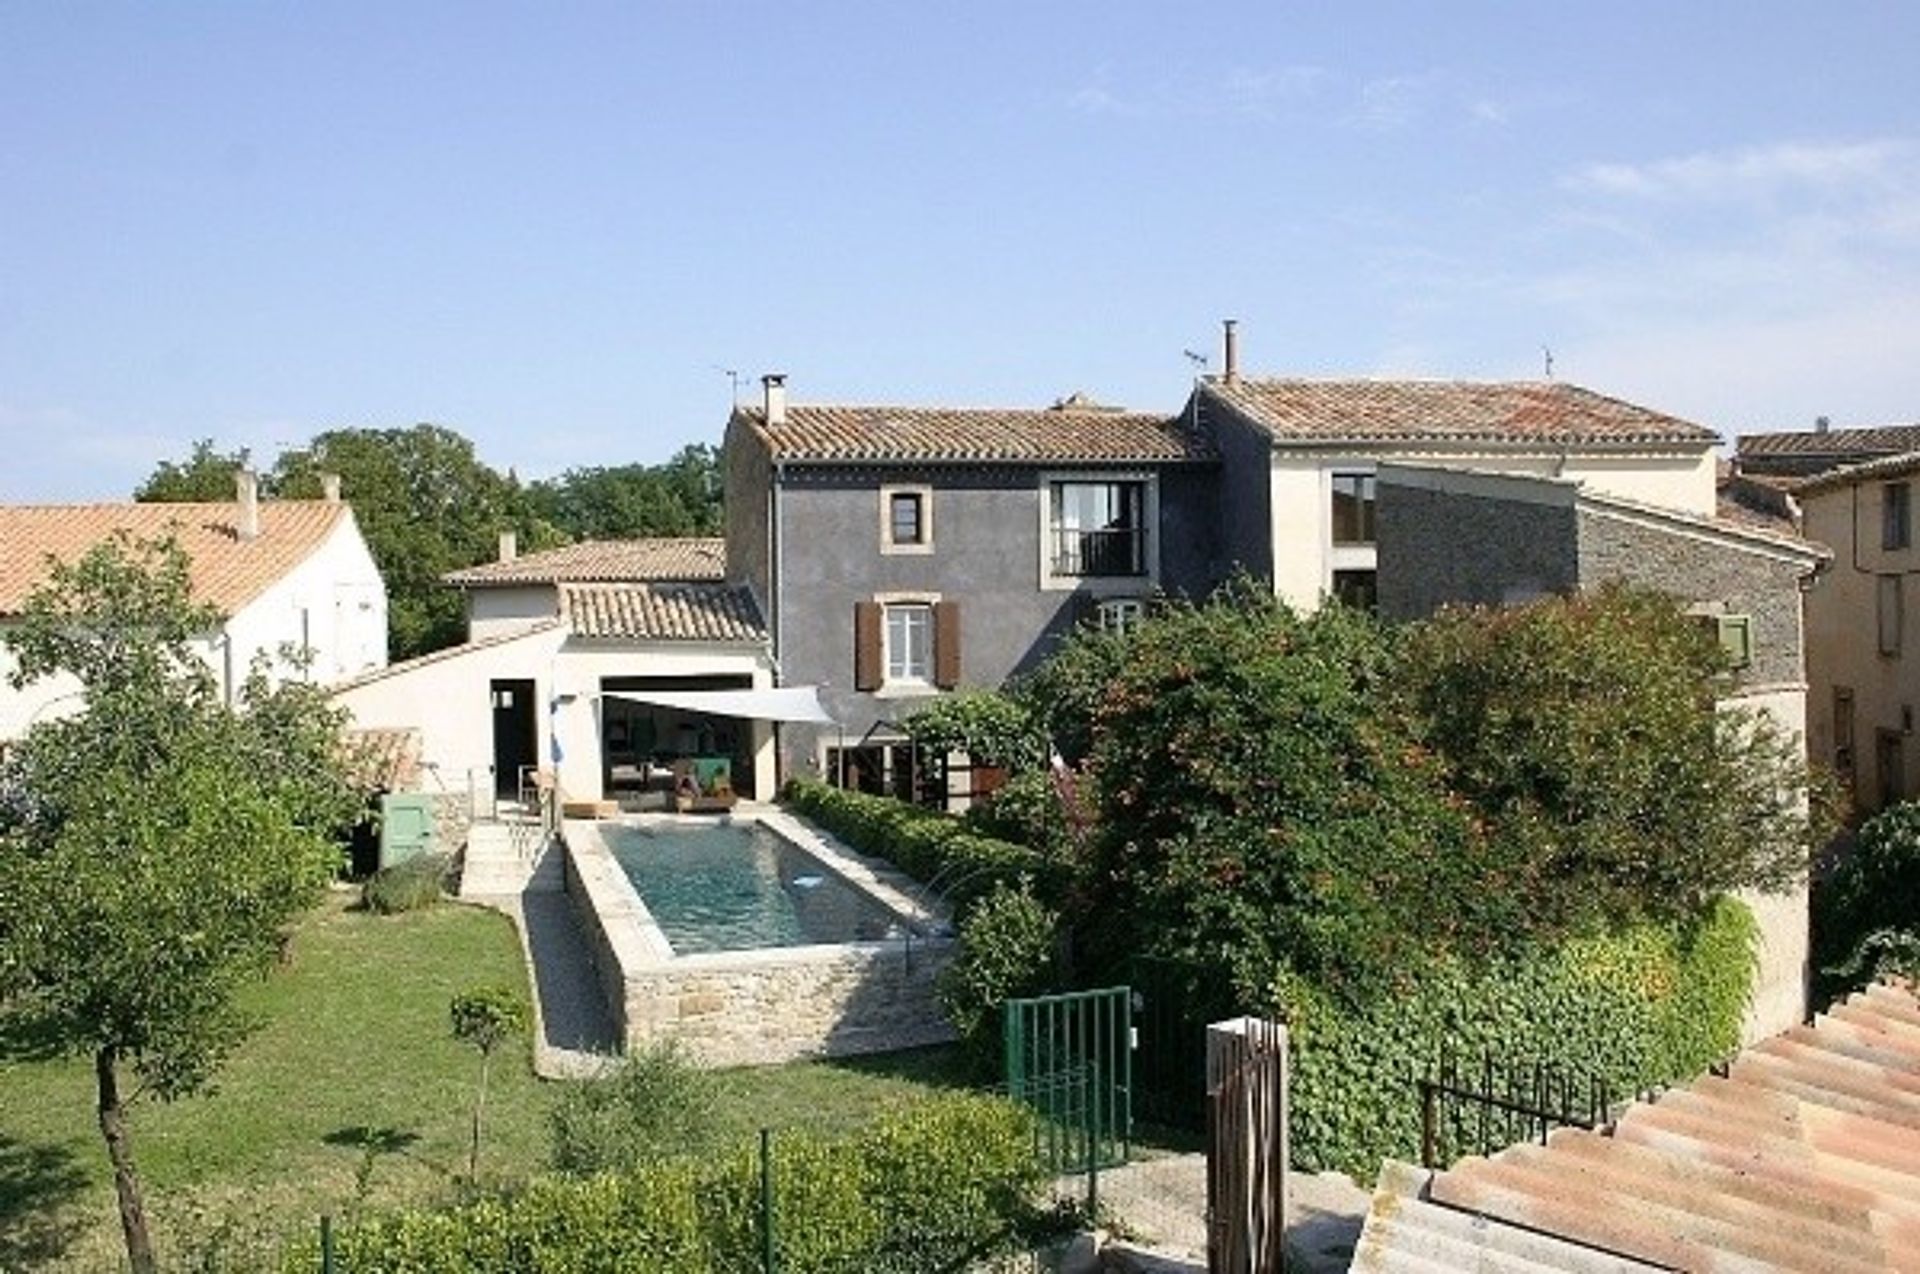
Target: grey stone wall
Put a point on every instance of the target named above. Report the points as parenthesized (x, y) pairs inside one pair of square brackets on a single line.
[(1438, 547), (1705, 573), (986, 556), (1243, 492)]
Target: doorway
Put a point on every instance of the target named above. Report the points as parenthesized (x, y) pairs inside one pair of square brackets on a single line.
[(516, 737)]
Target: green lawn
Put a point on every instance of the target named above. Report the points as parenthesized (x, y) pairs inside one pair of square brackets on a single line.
[(353, 1050)]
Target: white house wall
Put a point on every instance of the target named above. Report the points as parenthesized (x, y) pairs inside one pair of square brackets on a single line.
[(334, 603), (447, 700), (495, 612)]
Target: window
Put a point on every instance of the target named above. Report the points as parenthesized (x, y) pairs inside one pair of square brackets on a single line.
[(1896, 515), (1358, 589), (1890, 767), (1098, 528), (1735, 635), (1353, 508), (1843, 731), (1120, 614), (906, 519), (1889, 606), (909, 639)]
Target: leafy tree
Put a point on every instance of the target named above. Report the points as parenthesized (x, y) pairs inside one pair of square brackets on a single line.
[(990, 727), (485, 1018), (155, 846), (1866, 913), (205, 476), (680, 497)]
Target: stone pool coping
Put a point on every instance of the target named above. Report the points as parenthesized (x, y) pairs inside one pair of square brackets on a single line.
[(764, 1004)]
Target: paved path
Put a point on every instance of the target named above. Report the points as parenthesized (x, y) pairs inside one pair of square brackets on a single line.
[(573, 1036), (1161, 1204)]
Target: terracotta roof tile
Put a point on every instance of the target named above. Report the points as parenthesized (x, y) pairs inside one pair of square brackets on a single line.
[(1805, 1156), (1548, 413), (1858, 444), (663, 612), (1067, 434), (606, 562), (227, 572), (1900, 465)]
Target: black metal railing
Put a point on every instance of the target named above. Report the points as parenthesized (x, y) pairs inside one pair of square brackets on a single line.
[(1110, 551), (1501, 1104)]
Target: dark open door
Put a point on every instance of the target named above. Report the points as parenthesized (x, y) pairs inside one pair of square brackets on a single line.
[(516, 737)]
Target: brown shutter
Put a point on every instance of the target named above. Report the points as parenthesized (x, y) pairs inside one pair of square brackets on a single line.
[(946, 644), (866, 645)]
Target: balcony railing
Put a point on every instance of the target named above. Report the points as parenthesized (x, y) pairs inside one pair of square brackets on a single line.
[(1117, 551)]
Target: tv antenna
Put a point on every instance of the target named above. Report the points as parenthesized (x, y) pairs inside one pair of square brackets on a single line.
[(1546, 352), (733, 380), (1198, 359)]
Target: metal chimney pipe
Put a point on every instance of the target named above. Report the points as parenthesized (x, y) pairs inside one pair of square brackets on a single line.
[(246, 484), (1230, 363)]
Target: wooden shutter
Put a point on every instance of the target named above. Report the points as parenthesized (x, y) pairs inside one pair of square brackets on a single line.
[(866, 646), (946, 644)]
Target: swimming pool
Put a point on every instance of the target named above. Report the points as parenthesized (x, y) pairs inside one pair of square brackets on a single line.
[(755, 939), (738, 887)]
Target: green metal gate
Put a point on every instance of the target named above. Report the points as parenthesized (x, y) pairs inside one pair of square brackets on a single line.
[(1070, 1058)]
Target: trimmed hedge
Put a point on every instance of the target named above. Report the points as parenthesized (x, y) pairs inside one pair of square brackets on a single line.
[(929, 1187), (1647, 1006), (933, 848)]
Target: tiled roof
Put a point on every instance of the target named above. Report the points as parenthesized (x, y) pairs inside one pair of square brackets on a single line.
[(1545, 413), (948, 435), (405, 666), (663, 612), (605, 562), (227, 572), (1895, 466), (1805, 1156), (1880, 440)]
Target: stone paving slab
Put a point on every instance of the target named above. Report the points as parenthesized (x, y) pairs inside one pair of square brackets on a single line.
[(1161, 1204)]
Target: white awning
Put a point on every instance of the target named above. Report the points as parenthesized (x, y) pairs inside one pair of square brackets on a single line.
[(780, 703)]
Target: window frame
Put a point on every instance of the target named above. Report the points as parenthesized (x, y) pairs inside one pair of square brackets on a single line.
[(1120, 615), (1367, 500), (906, 676), (1896, 515), (1845, 723), (1889, 615), (1147, 484), (919, 491)]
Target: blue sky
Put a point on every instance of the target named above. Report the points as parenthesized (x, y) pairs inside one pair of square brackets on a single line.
[(556, 227)]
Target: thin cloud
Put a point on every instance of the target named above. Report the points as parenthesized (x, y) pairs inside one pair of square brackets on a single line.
[(1245, 92), (1740, 174)]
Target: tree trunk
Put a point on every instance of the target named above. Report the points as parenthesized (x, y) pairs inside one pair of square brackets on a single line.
[(479, 1105), (126, 1183)]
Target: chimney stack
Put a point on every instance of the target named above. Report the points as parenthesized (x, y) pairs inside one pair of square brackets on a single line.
[(509, 546), (775, 384), (1230, 364), (247, 492), (330, 487), (1821, 424)]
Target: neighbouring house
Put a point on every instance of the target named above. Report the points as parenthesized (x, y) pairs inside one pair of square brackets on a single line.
[(292, 581), (1803, 453), (1299, 459), (602, 664), (899, 552), (1863, 668), (1467, 537)]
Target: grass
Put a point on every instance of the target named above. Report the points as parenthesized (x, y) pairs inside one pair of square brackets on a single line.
[(351, 1092)]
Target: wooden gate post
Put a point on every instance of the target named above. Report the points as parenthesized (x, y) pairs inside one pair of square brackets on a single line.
[(1246, 1146)]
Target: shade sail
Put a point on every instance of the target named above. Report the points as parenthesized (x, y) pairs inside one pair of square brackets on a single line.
[(780, 703)]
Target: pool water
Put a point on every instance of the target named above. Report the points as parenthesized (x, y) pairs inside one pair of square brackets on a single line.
[(739, 887)]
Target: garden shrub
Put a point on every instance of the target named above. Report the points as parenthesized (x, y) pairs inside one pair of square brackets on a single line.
[(1027, 811), (1867, 911), (1007, 949), (653, 1104), (992, 728), (406, 886), (1644, 1007), (925, 1188), (934, 848)]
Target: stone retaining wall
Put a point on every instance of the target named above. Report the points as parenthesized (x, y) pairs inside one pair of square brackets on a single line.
[(761, 1006)]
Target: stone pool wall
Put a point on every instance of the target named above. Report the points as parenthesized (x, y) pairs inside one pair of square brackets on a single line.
[(772, 1004)]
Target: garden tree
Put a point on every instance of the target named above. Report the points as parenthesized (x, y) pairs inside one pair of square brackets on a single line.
[(485, 1018), (1585, 734), (1866, 912), (680, 497), (204, 476), (155, 845), (990, 727)]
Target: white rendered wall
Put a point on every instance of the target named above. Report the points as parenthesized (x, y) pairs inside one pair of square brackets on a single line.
[(495, 612), (447, 700), (334, 603), (1780, 982)]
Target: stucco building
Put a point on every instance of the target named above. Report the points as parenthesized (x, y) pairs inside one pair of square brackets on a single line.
[(285, 576)]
